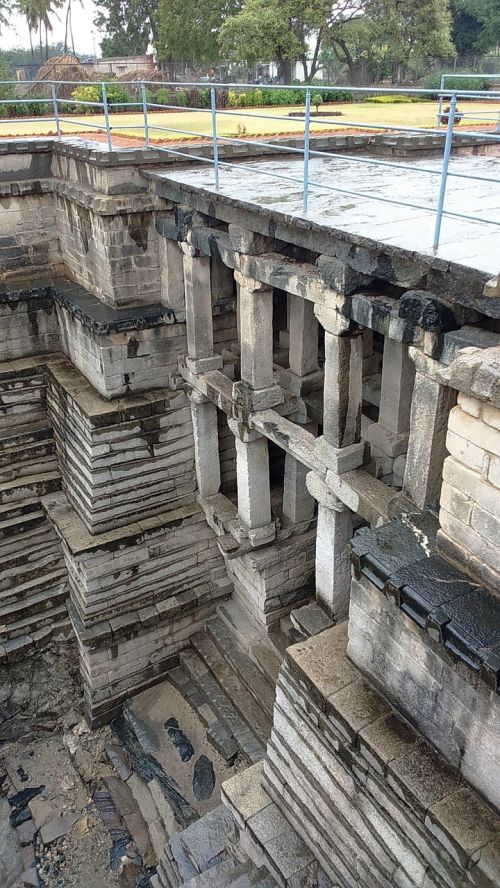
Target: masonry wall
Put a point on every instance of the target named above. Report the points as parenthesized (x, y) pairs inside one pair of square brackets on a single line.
[(28, 236), (470, 496)]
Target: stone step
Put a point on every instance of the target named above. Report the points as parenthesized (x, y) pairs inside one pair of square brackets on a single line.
[(22, 435), (221, 702), (55, 618), (16, 518), (36, 459), (310, 619), (231, 682), (264, 649), (32, 485), (251, 676)]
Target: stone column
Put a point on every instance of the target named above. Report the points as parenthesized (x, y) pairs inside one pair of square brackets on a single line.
[(254, 489), (206, 444), (333, 566), (298, 504), (257, 390), (172, 277), (200, 338), (390, 433), (303, 375), (430, 409), (342, 387)]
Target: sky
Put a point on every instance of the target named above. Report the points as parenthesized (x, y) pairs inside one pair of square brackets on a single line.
[(86, 36)]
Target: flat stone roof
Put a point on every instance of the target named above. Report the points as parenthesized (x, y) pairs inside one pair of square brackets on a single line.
[(467, 243)]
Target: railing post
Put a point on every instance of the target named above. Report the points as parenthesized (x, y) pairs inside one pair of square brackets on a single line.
[(145, 112), (213, 105), (444, 172), (56, 109), (307, 135), (106, 116), (440, 106)]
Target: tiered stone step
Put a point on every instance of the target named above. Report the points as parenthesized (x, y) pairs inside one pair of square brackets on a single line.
[(374, 803), (201, 857), (232, 694), (124, 459), (33, 579), (266, 836)]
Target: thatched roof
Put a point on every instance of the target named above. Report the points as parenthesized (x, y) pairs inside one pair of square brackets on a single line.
[(65, 67)]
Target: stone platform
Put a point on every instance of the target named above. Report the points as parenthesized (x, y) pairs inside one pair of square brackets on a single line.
[(368, 795)]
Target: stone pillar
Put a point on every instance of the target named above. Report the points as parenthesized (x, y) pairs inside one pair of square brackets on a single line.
[(200, 338), (430, 410), (256, 391), (390, 433), (333, 566), (206, 444), (172, 277), (298, 504), (254, 490), (342, 383)]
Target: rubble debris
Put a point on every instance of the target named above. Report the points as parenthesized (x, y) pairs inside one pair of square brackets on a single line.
[(203, 778), (179, 739)]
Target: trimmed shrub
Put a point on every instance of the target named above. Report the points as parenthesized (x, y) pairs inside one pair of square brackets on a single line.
[(181, 98), (164, 97), (391, 100), (205, 98), (92, 92), (317, 100), (433, 81)]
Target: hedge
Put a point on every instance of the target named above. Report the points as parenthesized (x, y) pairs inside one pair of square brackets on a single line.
[(433, 81)]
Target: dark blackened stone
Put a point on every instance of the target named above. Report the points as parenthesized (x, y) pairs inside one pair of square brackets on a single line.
[(18, 816), (381, 551), (426, 585), (20, 799), (468, 625), (149, 768), (419, 308), (182, 743), (118, 849), (23, 776), (203, 779)]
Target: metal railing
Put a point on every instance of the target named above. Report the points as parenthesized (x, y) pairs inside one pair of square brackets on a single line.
[(147, 126)]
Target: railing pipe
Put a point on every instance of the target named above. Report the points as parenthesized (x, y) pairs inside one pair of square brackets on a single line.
[(213, 105), (440, 107), (56, 110), (144, 96), (444, 173), (307, 134), (105, 107)]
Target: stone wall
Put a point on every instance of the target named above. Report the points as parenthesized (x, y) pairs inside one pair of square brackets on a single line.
[(28, 321), (369, 797), (446, 700), (137, 594), (120, 461), (470, 497), (28, 236)]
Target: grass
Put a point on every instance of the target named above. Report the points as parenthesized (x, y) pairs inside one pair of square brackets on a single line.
[(421, 114)]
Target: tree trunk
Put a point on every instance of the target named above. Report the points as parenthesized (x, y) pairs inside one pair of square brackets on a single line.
[(284, 70), (66, 25), (314, 63)]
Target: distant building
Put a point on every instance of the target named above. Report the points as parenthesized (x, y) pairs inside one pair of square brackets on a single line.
[(122, 65)]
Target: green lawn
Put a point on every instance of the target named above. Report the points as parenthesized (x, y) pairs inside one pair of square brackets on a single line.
[(255, 122)]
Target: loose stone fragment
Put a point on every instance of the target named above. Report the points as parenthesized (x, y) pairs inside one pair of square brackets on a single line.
[(203, 779), (179, 739)]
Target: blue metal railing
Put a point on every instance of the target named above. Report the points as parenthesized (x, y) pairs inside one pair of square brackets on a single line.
[(147, 126)]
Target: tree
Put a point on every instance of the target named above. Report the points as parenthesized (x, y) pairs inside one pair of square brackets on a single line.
[(189, 29), (476, 24), (129, 26), (285, 30), (38, 17)]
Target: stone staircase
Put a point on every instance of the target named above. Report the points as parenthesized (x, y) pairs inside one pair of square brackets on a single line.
[(228, 676), (33, 578)]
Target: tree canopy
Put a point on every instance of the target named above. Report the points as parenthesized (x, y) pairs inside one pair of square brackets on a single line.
[(129, 26)]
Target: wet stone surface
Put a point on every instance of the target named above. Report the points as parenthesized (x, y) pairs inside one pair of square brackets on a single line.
[(203, 778)]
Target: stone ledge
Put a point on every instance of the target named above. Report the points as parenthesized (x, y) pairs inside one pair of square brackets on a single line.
[(461, 615)]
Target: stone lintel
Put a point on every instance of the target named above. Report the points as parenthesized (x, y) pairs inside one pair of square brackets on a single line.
[(251, 399), (322, 494), (203, 365), (301, 385)]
